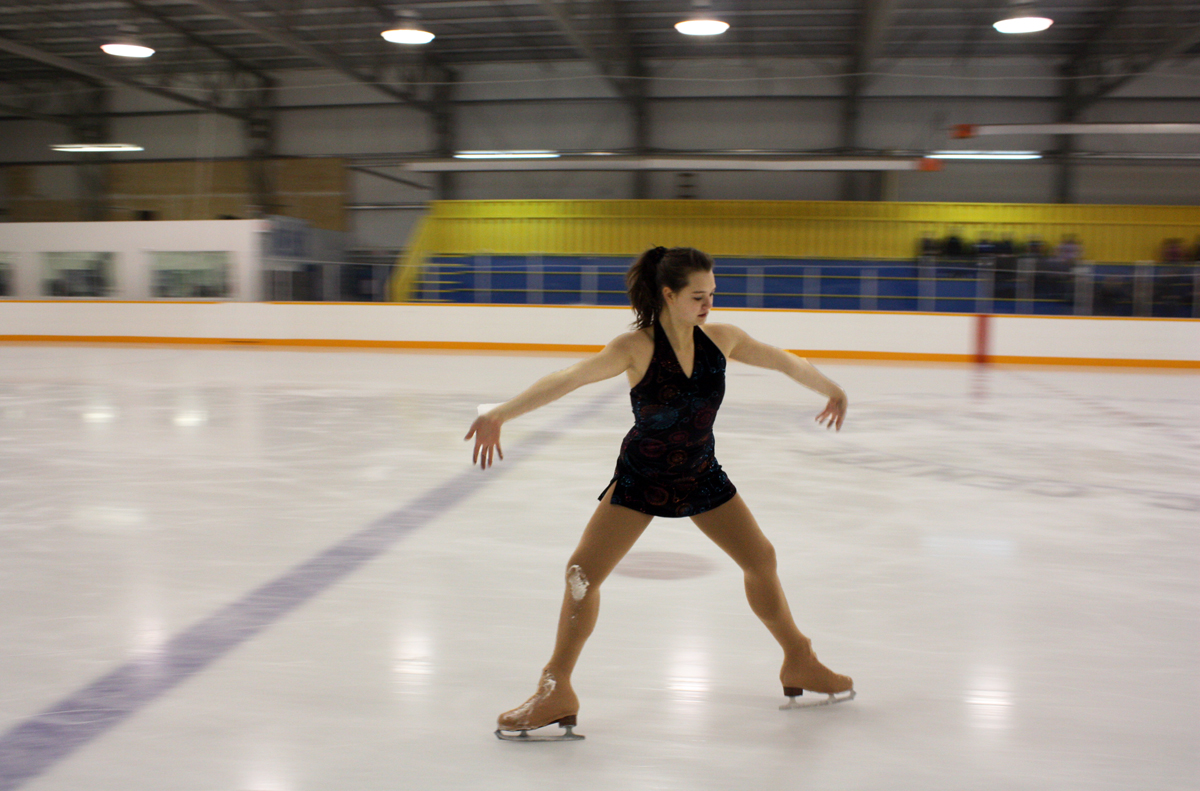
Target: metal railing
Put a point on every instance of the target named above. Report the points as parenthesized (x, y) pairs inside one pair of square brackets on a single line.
[(991, 284)]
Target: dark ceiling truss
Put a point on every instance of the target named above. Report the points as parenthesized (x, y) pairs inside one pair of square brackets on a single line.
[(589, 46), (1104, 43), (282, 34), (105, 76), (196, 38)]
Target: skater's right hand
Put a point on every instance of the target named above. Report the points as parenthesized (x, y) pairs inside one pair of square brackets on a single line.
[(835, 411), (486, 431)]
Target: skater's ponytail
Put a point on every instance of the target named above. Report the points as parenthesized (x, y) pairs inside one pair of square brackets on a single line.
[(657, 268)]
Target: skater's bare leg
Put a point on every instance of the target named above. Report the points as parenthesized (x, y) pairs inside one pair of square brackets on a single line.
[(733, 528), (608, 536)]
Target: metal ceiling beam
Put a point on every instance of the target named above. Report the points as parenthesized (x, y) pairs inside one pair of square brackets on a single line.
[(104, 76), (1137, 67), (13, 109), (1087, 48), (182, 30), (874, 21), (285, 39), (872, 32), (386, 177), (584, 47)]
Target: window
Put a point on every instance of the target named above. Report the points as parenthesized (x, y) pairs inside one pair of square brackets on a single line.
[(6, 275), (190, 275), (77, 274)]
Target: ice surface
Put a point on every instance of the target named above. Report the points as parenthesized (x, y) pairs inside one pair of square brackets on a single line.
[(1005, 560)]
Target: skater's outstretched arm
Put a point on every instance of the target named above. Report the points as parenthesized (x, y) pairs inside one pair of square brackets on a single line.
[(738, 345), (614, 359)]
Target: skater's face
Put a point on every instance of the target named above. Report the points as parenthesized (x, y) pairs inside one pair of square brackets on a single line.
[(692, 303)]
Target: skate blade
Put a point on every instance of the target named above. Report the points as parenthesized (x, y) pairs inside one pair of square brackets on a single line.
[(524, 736), (829, 699)]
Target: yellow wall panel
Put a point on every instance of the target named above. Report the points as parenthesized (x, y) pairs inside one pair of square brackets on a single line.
[(824, 229)]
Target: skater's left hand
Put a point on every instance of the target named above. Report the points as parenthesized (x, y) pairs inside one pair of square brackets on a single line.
[(835, 411), (486, 431)]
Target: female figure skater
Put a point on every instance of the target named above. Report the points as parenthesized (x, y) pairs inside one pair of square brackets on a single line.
[(675, 363)]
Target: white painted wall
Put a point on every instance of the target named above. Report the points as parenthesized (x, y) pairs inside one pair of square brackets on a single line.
[(132, 243), (825, 333), (922, 98)]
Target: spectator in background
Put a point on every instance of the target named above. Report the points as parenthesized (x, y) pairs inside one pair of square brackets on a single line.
[(1069, 252), (953, 246), (1196, 252), (1173, 252), (1173, 281), (1054, 280)]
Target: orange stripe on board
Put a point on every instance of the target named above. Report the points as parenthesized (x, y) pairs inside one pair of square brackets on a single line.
[(483, 346)]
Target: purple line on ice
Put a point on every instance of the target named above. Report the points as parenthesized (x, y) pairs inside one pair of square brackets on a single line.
[(34, 746)]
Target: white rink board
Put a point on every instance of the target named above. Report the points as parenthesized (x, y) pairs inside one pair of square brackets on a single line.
[(824, 333)]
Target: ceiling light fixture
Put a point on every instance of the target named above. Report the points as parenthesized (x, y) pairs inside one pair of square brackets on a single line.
[(993, 155), (407, 31), (127, 44), (1022, 17), (506, 155), (702, 22), (82, 148)]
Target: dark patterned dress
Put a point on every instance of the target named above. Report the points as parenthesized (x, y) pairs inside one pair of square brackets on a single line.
[(667, 466)]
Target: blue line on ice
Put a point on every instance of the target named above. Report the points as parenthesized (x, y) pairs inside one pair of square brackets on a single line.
[(34, 746)]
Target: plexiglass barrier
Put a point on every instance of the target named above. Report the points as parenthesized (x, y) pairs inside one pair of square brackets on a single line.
[(288, 280), (1004, 284)]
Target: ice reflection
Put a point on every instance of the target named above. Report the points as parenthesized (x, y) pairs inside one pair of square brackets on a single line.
[(99, 414), (413, 663), (688, 674), (989, 699), (264, 773), (190, 417), (114, 519), (190, 410)]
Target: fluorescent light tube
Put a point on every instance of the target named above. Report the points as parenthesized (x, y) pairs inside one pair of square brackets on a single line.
[(79, 148), (506, 155), (994, 155)]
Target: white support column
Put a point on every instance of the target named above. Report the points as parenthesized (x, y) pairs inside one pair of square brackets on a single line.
[(812, 288), (1026, 272), (589, 284), (483, 278), (869, 290), (754, 287), (535, 273), (926, 284), (1085, 289)]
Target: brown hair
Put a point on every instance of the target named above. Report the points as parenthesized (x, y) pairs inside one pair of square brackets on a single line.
[(656, 268)]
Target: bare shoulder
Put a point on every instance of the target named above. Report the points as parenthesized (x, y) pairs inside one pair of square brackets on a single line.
[(632, 343), (637, 349), (634, 339), (726, 336)]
